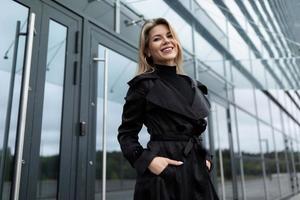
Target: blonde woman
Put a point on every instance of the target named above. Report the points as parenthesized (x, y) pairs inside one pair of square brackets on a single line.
[(172, 106)]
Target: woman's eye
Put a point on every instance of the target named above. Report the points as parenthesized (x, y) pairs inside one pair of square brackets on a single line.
[(155, 39), (170, 36)]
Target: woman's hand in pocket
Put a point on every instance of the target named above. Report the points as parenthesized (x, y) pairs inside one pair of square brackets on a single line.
[(208, 164), (158, 164)]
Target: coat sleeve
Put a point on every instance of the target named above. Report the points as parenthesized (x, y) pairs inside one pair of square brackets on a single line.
[(208, 155), (132, 122)]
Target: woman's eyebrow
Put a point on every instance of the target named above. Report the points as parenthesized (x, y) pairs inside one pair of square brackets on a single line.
[(161, 34), (156, 35)]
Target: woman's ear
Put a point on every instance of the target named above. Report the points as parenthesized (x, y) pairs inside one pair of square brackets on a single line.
[(148, 54)]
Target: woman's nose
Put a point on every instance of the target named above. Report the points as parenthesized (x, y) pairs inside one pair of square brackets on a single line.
[(166, 40)]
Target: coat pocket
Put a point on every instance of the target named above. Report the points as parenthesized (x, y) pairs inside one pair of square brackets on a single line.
[(169, 173)]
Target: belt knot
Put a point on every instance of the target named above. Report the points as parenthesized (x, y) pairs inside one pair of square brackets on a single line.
[(192, 140)]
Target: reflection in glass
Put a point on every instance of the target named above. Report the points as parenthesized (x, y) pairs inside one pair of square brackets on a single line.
[(253, 178), (52, 112), (276, 119), (208, 54), (248, 134), (234, 129), (237, 45), (120, 175), (259, 71), (271, 83), (252, 164), (262, 106), (245, 99), (182, 27), (214, 13), (269, 153), (101, 11), (10, 84), (239, 79), (222, 151), (284, 177)]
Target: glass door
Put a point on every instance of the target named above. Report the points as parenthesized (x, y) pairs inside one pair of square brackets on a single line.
[(58, 132), (12, 51), (110, 176), (53, 150)]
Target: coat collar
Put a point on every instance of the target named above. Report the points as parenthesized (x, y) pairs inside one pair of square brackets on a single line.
[(168, 97)]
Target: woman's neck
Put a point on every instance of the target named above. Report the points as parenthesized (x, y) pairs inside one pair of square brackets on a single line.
[(165, 69)]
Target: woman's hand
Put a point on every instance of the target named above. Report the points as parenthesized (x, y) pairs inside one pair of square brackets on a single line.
[(158, 164), (208, 164)]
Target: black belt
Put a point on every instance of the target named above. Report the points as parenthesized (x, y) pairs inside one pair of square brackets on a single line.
[(191, 140)]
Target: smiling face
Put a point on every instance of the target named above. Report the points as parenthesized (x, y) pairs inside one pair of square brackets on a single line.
[(162, 47)]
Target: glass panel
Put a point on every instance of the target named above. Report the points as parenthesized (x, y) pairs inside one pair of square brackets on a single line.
[(253, 178), (129, 28), (188, 65), (268, 149), (252, 165), (10, 84), (286, 127), (297, 153), (275, 113), (237, 45), (214, 13), (182, 27), (292, 146), (273, 179), (208, 54), (245, 99), (234, 129), (270, 81), (284, 175), (240, 81), (262, 103), (237, 13), (102, 12), (285, 182), (281, 97), (259, 71), (222, 151), (120, 175), (212, 26), (279, 142), (52, 112)]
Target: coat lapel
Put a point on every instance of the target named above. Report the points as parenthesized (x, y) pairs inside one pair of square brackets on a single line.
[(200, 103), (166, 96)]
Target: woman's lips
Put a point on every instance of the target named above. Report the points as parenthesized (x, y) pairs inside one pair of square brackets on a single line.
[(167, 49)]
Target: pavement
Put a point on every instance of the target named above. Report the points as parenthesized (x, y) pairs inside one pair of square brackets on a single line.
[(297, 197)]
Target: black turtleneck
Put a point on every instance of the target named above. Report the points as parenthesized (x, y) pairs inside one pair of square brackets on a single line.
[(181, 83)]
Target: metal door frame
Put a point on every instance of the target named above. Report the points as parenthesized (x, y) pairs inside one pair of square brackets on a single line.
[(94, 35), (29, 176)]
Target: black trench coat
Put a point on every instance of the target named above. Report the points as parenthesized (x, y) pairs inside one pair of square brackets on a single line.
[(174, 126)]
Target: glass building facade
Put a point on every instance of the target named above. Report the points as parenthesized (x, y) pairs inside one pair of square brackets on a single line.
[(62, 94)]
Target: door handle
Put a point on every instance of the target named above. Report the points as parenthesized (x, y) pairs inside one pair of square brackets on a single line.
[(105, 89), (23, 108)]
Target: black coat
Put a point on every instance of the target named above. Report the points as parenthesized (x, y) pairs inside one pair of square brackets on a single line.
[(174, 126)]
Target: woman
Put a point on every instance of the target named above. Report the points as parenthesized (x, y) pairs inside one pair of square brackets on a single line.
[(172, 106)]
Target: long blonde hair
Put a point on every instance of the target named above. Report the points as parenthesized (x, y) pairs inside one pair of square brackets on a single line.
[(145, 64)]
